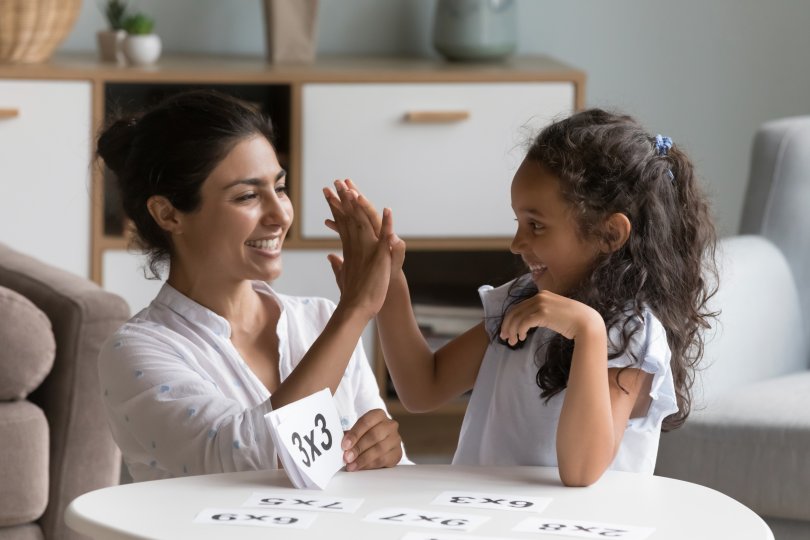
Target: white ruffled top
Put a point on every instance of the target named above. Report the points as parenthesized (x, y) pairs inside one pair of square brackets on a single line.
[(508, 423)]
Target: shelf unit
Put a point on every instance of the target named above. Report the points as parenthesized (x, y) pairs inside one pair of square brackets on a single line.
[(419, 135)]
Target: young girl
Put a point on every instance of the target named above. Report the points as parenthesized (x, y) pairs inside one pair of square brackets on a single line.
[(579, 362)]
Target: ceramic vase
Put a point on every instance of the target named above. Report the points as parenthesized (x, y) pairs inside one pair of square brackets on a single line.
[(475, 30), (142, 50)]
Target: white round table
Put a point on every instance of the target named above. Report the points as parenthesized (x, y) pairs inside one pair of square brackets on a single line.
[(166, 509)]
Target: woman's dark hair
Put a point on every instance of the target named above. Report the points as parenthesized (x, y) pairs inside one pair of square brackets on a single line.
[(607, 163), (170, 150)]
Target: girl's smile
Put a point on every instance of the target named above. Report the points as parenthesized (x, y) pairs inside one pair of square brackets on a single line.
[(547, 236)]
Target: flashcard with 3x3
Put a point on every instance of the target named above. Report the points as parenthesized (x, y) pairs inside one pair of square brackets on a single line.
[(307, 434)]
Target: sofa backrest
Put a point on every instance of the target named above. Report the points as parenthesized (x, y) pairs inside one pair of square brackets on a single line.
[(83, 455), (777, 202), (758, 333)]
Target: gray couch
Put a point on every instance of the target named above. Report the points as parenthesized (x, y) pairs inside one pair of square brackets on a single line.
[(54, 440), (750, 435)]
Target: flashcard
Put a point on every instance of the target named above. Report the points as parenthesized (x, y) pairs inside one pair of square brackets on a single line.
[(307, 434), (492, 501), (582, 529), (318, 503), (255, 518), (442, 536), (426, 518)]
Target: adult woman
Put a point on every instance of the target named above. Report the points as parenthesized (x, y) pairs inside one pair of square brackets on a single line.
[(188, 380)]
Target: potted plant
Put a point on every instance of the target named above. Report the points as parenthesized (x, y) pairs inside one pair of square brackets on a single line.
[(110, 41), (141, 46)]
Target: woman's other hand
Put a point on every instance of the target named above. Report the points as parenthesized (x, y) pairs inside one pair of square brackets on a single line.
[(372, 443)]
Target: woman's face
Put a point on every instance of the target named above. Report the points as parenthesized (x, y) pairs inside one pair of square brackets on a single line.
[(240, 226)]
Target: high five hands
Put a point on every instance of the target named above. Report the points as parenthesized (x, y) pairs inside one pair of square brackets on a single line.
[(371, 249), (360, 228), (372, 253)]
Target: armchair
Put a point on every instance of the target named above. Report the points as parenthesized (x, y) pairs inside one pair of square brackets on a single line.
[(54, 440), (749, 434)]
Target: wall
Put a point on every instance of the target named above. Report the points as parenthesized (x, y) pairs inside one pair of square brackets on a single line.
[(705, 72)]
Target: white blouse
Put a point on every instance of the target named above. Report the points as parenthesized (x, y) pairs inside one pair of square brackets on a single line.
[(508, 423), (180, 400)]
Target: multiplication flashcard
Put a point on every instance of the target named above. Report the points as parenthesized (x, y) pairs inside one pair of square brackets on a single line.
[(426, 518), (255, 518), (583, 529), (303, 501), (492, 501), (307, 434)]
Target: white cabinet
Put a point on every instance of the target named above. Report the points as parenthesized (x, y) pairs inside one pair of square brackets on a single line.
[(45, 153), (441, 155)]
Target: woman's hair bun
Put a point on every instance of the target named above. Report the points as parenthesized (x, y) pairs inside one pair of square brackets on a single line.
[(115, 143)]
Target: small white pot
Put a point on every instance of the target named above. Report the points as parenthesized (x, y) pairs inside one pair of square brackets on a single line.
[(142, 50)]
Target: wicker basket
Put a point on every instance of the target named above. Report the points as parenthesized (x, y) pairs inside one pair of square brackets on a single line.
[(30, 30)]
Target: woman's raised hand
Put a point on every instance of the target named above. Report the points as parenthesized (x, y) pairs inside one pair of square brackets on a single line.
[(371, 249)]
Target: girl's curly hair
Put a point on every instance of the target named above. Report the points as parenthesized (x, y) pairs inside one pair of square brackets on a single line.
[(607, 163)]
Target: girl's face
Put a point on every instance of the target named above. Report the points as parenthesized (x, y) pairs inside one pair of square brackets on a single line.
[(546, 236), (244, 216)]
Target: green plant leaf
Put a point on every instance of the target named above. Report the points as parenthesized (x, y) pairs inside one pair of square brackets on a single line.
[(139, 24)]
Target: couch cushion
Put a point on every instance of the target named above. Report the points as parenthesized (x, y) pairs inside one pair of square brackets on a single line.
[(27, 347), (24, 463), (752, 444), (30, 531)]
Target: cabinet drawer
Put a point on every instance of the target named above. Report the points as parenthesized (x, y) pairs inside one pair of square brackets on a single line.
[(45, 153), (446, 171)]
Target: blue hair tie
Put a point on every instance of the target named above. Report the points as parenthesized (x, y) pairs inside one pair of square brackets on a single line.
[(662, 144)]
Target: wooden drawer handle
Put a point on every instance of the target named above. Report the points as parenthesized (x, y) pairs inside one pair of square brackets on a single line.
[(436, 117), (9, 113)]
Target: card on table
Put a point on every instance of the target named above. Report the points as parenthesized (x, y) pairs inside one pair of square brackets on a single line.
[(492, 501), (582, 529), (305, 501), (307, 434), (255, 518)]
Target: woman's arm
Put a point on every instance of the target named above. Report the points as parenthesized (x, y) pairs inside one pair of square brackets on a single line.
[(424, 380), (165, 412), (365, 277), (596, 409)]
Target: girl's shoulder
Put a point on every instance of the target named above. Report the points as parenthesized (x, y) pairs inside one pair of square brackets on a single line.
[(647, 347), (496, 300)]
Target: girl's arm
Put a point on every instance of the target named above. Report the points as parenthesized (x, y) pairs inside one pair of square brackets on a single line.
[(595, 410), (424, 380)]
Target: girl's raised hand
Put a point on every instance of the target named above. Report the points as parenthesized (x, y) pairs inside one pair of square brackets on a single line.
[(546, 309)]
